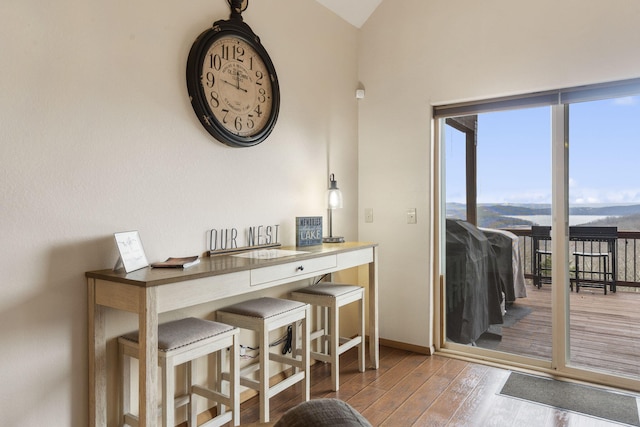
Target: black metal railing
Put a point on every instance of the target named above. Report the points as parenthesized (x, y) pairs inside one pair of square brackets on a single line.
[(627, 254)]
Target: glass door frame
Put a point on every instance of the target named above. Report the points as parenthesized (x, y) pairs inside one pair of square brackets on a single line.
[(559, 363)]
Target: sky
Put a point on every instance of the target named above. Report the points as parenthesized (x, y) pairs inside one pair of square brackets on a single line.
[(514, 155)]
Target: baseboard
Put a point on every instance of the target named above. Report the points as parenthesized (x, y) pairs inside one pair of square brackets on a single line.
[(405, 346)]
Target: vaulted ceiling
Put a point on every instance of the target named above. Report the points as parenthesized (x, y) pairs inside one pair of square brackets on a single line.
[(356, 12)]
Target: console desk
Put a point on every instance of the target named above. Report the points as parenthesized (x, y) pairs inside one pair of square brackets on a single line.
[(149, 292)]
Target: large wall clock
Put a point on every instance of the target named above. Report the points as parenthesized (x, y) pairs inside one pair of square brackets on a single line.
[(232, 82)]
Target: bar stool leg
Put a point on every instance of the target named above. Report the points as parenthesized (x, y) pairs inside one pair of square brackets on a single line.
[(324, 319), (298, 350), (264, 375), (361, 351), (234, 382), (219, 385), (335, 342), (192, 415), (604, 279), (306, 328), (168, 386), (577, 273)]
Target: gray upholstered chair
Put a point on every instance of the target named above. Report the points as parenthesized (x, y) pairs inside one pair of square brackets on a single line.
[(322, 413)]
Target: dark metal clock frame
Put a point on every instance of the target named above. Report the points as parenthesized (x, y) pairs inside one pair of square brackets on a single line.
[(233, 27)]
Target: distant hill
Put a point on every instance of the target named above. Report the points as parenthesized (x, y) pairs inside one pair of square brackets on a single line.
[(625, 217), (614, 210), (606, 210), (624, 223), (486, 219), (495, 216), (516, 210)]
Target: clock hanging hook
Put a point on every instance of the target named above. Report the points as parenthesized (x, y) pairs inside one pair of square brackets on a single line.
[(237, 7)]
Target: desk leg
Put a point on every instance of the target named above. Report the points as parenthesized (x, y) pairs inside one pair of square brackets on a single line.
[(97, 359), (148, 357), (374, 334)]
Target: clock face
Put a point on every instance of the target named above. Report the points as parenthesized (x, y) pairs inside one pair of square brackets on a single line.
[(237, 85), (233, 87)]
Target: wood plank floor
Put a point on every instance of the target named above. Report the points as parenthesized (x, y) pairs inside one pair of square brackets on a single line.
[(415, 390), (410, 389)]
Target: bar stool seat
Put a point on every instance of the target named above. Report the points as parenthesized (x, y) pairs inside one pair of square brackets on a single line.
[(332, 296), (264, 315), (179, 342)]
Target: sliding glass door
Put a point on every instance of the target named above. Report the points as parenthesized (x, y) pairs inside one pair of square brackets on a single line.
[(604, 200), (539, 215), (497, 185)]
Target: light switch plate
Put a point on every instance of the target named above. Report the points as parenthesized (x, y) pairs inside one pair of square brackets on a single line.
[(411, 216), (368, 214)]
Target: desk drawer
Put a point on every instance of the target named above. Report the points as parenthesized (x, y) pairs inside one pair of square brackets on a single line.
[(292, 271)]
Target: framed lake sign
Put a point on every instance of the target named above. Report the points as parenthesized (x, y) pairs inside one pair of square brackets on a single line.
[(308, 230)]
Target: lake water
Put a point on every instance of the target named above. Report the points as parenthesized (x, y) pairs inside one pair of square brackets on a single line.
[(573, 219)]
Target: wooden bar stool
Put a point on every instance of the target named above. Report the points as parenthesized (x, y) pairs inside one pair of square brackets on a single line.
[(332, 296), (179, 342), (264, 315)]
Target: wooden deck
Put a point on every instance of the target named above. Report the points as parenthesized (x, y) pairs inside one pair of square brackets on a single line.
[(605, 332)]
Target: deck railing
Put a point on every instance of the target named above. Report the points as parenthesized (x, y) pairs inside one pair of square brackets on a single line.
[(627, 254)]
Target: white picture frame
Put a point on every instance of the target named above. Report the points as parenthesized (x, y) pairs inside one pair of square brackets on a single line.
[(132, 254)]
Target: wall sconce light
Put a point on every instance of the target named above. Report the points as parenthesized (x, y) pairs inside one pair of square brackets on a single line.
[(334, 201)]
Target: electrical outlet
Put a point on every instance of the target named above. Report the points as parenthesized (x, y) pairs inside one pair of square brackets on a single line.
[(243, 350), (368, 214), (411, 216)]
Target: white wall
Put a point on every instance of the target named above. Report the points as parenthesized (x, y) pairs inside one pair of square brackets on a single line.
[(416, 53), (97, 135)]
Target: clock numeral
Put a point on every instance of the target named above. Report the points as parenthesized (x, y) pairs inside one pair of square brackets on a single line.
[(238, 123), (214, 61), (213, 99), (232, 53), (224, 51), (224, 117), (238, 53), (258, 111), (260, 76), (262, 95), (210, 79), (250, 123)]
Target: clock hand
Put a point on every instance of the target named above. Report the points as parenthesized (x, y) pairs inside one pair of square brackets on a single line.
[(238, 82), (237, 85)]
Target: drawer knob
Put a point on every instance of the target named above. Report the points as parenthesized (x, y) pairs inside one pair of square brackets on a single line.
[(300, 268)]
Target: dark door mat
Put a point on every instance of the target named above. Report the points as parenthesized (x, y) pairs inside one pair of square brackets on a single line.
[(605, 404)]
